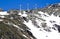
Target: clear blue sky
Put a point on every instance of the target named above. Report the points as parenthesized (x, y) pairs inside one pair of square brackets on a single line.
[(14, 4)]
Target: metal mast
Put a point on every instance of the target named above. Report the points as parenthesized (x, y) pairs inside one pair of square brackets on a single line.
[(20, 8)]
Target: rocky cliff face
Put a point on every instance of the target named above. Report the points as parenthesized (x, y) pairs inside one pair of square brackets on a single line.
[(33, 24)]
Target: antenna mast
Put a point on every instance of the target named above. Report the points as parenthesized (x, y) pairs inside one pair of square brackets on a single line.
[(20, 8)]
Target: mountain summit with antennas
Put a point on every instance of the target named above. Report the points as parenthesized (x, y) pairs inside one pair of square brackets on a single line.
[(41, 23)]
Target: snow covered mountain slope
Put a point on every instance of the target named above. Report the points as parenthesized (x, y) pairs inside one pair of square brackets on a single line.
[(46, 28), (34, 24)]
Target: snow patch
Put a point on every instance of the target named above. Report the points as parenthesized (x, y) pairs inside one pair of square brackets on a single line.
[(4, 13)]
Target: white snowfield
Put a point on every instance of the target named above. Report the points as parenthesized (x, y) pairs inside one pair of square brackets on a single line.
[(43, 34), (4, 13)]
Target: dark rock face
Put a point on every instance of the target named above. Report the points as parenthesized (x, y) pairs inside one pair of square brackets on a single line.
[(52, 9), (58, 26), (9, 31), (44, 25), (30, 34), (25, 19), (12, 12), (53, 28)]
